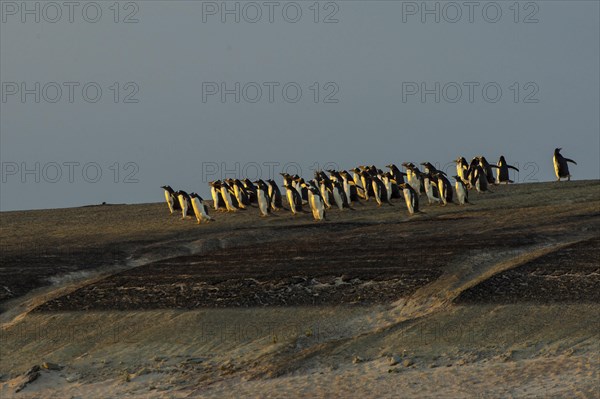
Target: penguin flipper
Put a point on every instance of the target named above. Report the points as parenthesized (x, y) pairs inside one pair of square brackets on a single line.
[(512, 167), (570, 160)]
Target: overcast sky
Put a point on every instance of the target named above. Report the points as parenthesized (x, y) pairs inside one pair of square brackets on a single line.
[(366, 71)]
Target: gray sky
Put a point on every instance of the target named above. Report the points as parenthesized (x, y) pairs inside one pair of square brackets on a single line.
[(371, 61)]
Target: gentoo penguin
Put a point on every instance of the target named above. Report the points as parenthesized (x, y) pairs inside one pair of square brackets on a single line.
[(316, 202), (471, 171), (429, 168), (324, 190), (478, 179), (239, 191), (461, 191), (487, 169), (365, 182), (250, 190), (172, 202), (503, 167), (413, 176), (200, 209), (561, 167), (262, 195), (229, 201), (396, 173), (339, 196), (185, 203), (431, 190), (293, 198), (215, 192), (411, 197), (461, 168), (444, 187), (358, 183), (274, 194), (302, 190), (353, 189)]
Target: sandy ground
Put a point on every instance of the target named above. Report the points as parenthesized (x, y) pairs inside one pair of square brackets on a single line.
[(512, 309)]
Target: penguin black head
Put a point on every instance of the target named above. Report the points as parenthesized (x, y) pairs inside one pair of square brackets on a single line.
[(557, 151)]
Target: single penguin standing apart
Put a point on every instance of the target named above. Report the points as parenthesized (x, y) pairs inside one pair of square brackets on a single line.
[(411, 197), (561, 167), (503, 167), (172, 202), (461, 191), (200, 209)]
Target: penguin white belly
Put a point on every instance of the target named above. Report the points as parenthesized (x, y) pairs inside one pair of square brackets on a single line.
[(215, 197), (227, 199), (431, 198), (263, 204), (347, 190), (442, 191), (198, 209), (184, 206), (388, 188), (408, 199), (338, 199), (169, 200), (320, 206), (325, 195), (460, 193), (376, 191), (290, 197), (556, 167)]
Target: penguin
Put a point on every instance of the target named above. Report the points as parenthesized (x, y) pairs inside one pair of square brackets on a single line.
[(200, 209), (365, 182), (386, 179), (487, 169), (461, 168), (561, 167), (339, 195), (444, 188), (429, 168), (430, 183), (324, 190), (502, 176), (353, 195), (250, 190), (411, 198), (358, 183), (478, 179), (396, 173), (262, 195), (172, 202), (239, 191), (316, 202), (378, 190), (470, 173), (461, 191), (227, 198), (215, 192), (293, 198), (185, 204), (274, 194), (413, 176), (302, 190)]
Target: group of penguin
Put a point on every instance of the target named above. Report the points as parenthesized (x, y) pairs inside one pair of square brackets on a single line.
[(343, 188)]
